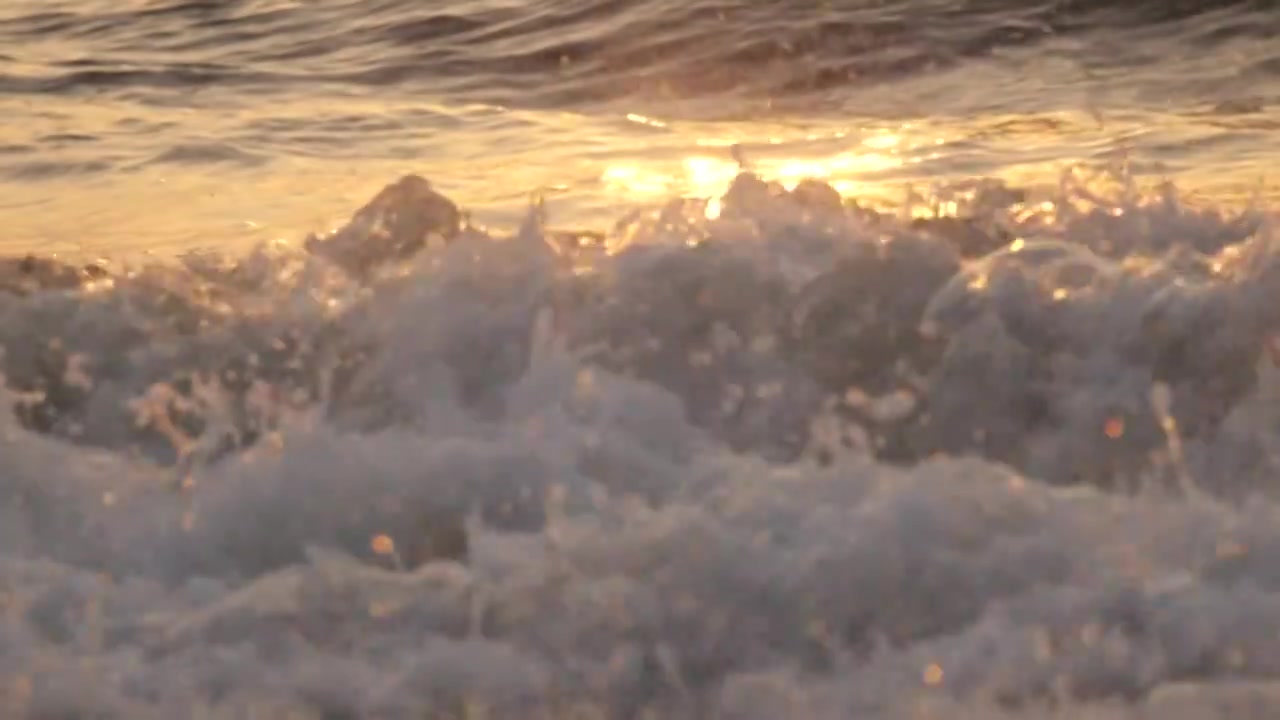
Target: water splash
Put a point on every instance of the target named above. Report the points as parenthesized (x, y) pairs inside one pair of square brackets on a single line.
[(702, 467)]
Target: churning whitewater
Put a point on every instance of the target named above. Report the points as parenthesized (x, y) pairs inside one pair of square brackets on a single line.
[(773, 454)]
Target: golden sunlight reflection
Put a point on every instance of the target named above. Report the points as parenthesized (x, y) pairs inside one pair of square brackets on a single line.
[(643, 120), (145, 196), (713, 208), (709, 176)]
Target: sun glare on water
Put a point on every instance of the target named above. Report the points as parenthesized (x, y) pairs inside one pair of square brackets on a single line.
[(708, 176)]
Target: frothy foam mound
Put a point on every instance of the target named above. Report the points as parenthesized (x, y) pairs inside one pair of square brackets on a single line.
[(799, 458)]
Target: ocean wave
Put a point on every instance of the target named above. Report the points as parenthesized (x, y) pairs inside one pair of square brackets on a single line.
[(559, 54), (770, 453)]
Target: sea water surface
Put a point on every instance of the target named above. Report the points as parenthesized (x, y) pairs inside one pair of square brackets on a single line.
[(639, 359), (232, 122)]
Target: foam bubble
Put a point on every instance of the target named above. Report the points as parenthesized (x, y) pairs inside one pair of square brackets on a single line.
[(702, 468)]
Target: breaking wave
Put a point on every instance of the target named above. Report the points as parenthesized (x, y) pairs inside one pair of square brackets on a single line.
[(770, 454)]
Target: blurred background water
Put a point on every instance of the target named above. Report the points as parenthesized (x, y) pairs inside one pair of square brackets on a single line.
[(169, 125)]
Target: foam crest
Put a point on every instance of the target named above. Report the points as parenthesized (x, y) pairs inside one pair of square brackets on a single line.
[(795, 457)]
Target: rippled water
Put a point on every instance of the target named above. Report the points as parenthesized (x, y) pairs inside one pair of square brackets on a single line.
[(873, 360), (232, 122)]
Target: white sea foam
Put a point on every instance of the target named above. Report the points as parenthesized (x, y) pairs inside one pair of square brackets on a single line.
[(713, 473)]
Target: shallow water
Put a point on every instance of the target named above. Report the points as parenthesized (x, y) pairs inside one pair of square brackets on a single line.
[(1003, 446), (161, 125)]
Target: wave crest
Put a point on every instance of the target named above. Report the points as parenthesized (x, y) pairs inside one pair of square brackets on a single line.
[(801, 457)]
